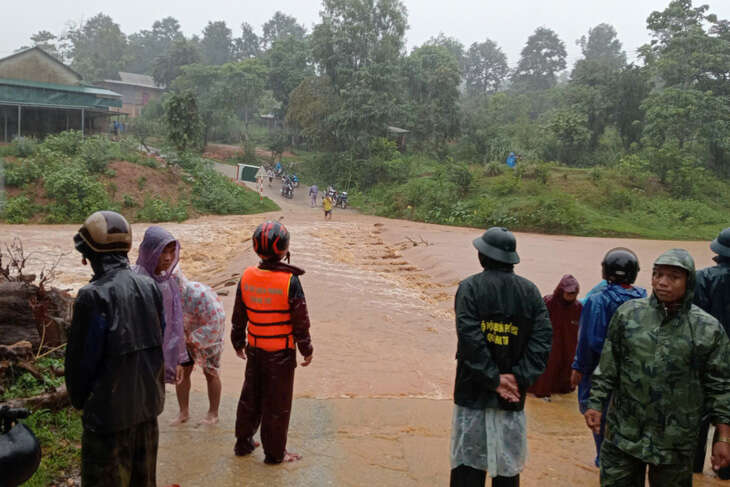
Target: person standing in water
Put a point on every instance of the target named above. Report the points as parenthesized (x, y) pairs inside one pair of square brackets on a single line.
[(270, 321), (503, 331), (159, 254)]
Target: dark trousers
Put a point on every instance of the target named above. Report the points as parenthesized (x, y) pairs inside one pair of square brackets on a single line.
[(266, 401), (699, 461), (619, 469), (126, 458), (463, 476)]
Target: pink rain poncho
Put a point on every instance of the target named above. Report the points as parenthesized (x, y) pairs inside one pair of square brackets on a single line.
[(204, 323), (154, 242)]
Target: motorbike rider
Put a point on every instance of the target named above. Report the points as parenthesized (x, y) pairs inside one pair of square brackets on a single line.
[(269, 320), (114, 363)]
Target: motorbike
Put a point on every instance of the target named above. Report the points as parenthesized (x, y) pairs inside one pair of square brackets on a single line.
[(341, 200), (287, 190), (20, 451)]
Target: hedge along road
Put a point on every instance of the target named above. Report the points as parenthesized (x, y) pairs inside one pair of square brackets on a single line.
[(375, 405)]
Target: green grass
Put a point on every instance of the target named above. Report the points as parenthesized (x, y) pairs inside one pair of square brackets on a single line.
[(547, 198), (59, 433)]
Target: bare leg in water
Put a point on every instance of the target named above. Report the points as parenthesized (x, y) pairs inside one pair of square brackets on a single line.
[(214, 397), (183, 397)]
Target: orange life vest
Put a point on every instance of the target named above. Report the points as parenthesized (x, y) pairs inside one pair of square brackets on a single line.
[(265, 295)]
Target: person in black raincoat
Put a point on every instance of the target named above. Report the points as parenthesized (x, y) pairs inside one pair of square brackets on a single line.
[(114, 364), (504, 338), (270, 320), (712, 294)]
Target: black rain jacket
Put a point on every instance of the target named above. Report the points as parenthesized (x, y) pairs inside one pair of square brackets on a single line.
[(712, 291), (503, 327), (114, 364)]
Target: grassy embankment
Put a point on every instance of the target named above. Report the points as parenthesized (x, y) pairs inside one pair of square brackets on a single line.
[(66, 177), (625, 200)]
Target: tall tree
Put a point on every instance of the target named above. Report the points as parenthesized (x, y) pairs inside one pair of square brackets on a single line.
[(485, 68), (216, 46), (542, 58), (683, 53), (249, 44), (98, 48), (603, 56), (433, 82), (453, 45), (146, 45), (358, 45), (47, 41), (281, 26), (169, 65), (289, 61)]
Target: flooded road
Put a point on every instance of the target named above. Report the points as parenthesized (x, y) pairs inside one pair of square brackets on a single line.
[(375, 405)]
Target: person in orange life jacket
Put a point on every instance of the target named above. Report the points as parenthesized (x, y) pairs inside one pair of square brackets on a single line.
[(269, 319)]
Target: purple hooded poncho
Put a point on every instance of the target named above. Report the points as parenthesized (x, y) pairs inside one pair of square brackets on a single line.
[(173, 347)]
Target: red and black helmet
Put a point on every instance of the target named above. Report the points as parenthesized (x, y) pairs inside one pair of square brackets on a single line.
[(271, 241)]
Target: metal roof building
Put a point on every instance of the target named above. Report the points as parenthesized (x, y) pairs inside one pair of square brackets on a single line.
[(40, 95)]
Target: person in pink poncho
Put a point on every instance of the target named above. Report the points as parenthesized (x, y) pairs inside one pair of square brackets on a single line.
[(159, 254), (204, 325)]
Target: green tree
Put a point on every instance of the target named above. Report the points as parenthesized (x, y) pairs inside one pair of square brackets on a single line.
[(146, 45), (47, 41), (433, 82), (281, 26), (542, 58), (98, 48), (683, 53), (603, 57), (248, 45), (567, 136), (242, 86), (627, 92), (216, 46), (205, 84), (358, 46), (182, 120), (485, 68), (453, 45), (311, 104), (289, 62), (169, 65)]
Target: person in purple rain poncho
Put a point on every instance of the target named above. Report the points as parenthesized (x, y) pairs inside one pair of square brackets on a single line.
[(159, 253)]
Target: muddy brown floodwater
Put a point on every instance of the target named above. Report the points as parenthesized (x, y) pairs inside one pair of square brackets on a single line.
[(374, 408)]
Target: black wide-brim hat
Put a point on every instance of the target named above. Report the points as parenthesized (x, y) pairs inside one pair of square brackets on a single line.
[(721, 245), (498, 244)]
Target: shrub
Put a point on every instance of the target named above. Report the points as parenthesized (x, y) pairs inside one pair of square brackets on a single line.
[(215, 193), (24, 146), (539, 172), (67, 143), (493, 169), (128, 201), (141, 182), (95, 153), (460, 175), (18, 210), (506, 185), (22, 172), (76, 193), (159, 210)]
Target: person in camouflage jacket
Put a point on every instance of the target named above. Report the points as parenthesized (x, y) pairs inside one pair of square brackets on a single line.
[(664, 362)]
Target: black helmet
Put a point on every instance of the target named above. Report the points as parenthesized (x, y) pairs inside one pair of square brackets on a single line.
[(104, 232), (271, 240), (498, 244), (620, 265), (721, 245)]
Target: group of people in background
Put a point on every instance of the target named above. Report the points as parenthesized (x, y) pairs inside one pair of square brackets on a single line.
[(135, 328), (653, 372)]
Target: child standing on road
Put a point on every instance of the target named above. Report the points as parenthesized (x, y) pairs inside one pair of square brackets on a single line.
[(204, 325), (159, 254), (327, 205)]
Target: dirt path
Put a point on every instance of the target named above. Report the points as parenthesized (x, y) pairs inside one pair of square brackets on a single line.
[(374, 407)]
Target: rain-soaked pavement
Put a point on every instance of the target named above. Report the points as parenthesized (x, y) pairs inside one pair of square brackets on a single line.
[(374, 408)]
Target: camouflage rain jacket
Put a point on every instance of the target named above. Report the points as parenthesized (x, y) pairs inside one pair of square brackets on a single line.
[(663, 369)]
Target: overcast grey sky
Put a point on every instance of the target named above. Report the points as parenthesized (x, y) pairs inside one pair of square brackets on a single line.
[(508, 22)]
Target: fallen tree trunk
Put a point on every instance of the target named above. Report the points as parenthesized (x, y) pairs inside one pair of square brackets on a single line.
[(55, 400), (33, 314)]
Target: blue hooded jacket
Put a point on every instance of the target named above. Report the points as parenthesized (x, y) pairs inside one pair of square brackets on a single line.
[(594, 319)]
